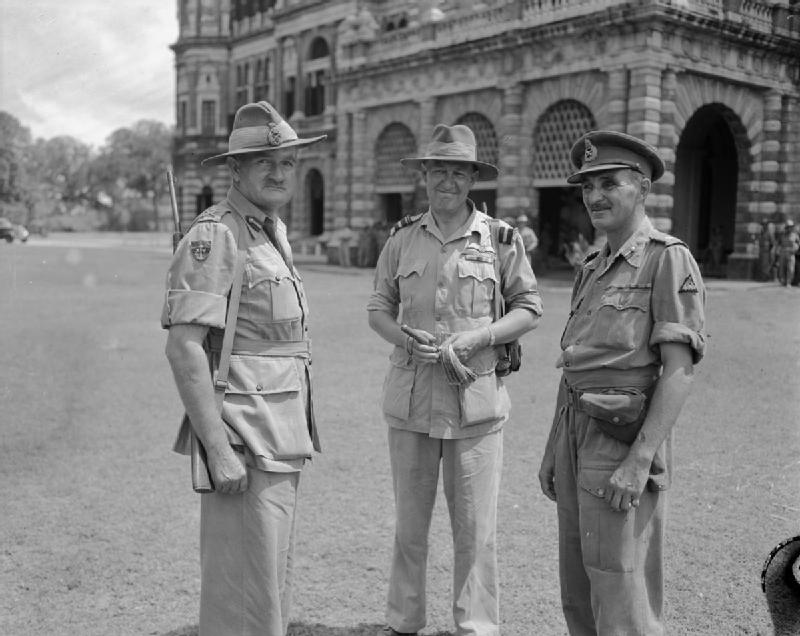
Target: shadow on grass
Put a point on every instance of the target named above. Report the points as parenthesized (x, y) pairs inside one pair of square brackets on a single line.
[(306, 629)]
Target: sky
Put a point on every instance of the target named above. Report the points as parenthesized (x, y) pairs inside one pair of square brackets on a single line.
[(87, 67)]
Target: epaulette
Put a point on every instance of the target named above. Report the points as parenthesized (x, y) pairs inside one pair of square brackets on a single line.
[(404, 222), (213, 214), (665, 238)]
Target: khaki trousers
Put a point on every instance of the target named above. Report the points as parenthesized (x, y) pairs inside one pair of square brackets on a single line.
[(610, 562), (471, 478), (246, 546)]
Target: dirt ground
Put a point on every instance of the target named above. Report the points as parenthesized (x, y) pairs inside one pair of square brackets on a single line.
[(99, 527)]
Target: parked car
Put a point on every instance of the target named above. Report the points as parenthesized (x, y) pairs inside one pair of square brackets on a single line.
[(9, 231), (6, 230)]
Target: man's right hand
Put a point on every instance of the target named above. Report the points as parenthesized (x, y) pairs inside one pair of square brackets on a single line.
[(423, 346), (228, 471), (547, 473)]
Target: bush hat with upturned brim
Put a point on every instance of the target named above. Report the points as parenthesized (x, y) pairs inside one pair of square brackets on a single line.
[(602, 150), (453, 144), (259, 127)]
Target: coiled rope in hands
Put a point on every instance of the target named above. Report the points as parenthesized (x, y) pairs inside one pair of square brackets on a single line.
[(457, 373)]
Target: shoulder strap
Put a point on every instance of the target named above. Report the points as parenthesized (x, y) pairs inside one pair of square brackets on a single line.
[(221, 381), (495, 232), (404, 222)]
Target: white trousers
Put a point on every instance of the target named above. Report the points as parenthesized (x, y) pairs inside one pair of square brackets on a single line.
[(471, 477), (246, 546)]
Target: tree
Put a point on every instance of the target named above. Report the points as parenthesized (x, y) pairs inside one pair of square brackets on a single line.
[(135, 159), (15, 140)]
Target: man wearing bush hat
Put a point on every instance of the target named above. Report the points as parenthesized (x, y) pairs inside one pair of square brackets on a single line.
[(442, 269), (232, 274), (634, 333)]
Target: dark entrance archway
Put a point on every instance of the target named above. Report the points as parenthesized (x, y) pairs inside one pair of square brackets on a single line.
[(315, 195), (204, 200), (706, 185)]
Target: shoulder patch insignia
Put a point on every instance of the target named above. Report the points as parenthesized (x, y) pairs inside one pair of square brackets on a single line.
[(200, 250), (688, 286)]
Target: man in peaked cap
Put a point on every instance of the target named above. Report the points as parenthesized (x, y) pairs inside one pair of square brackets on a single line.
[(442, 268), (634, 332), (257, 428)]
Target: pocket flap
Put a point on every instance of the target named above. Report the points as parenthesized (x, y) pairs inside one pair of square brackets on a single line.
[(616, 408), (406, 268), (476, 269), (594, 480), (262, 375), (261, 270)]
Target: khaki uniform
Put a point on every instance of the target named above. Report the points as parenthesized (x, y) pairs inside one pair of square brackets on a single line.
[(247, 539), (445, 287), (623, 307)]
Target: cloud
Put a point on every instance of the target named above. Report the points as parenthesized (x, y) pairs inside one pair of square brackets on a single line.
[(88, 67)]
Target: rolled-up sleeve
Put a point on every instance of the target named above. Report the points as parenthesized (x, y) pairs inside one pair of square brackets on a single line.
[(385, 291), (200, 277), (678, 302), (519, 287)]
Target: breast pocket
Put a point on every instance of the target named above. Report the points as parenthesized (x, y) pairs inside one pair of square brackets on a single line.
[(624, 317), (476, 282), (409, 279), (271, 292)]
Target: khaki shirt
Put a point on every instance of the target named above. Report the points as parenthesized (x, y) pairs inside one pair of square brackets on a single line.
[(267, 403), (445, 287), (625, 304)]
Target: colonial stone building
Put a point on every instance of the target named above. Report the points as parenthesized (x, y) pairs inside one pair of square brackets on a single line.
[(714, 84)]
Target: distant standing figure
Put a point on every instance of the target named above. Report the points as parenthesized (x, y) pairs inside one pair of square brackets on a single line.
[(788, 246), (766, 252), (529, 238)]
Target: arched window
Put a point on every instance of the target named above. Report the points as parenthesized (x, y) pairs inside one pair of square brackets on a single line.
[(555, 133), (319, 48), (485, 136), (395, 142)]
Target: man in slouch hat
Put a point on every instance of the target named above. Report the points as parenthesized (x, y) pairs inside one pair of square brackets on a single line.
[(634, 333), (443, 402), (236, 255)]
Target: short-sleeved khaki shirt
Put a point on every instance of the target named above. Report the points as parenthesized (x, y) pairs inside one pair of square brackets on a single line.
[(267, 403), (625, 304), (445, 287)]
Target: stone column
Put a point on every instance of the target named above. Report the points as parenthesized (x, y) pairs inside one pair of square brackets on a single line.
[(644, 104), (617, 101), (764, 187), (300, 82), (510, 199), (360, 201), (789, 175), (661, 198), (342, 176), (427, 121)]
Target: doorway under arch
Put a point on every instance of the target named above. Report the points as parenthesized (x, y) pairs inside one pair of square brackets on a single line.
[(708, 176), (315, 196)]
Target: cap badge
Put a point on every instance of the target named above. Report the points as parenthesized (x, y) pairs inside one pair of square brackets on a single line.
[(274, 136), (590, 152)]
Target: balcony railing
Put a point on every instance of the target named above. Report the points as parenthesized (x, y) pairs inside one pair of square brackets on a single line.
[(504, 16)]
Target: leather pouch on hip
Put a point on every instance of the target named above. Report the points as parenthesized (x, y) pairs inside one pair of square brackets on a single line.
[(619, 413)]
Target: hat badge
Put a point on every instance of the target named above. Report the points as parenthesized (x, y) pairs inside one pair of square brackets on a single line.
[(589, 152), (274, 136)]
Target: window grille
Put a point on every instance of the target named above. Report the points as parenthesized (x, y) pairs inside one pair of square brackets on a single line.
[(485, 136), (394, 143), (555, 133)]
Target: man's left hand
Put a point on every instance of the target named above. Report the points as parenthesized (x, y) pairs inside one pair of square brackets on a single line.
[(627, 483), (466, 343)]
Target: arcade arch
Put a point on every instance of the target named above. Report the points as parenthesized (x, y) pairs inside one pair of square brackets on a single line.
[(315, 201), (711, 171), (394, 184), (561, 215), (483, 193)]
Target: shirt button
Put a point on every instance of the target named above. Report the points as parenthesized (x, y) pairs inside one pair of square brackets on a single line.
[(589, 312), (437, 317), (441, 284), (601, 492), (259, 387), (566, 364), (577, 341), (615, 419)]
